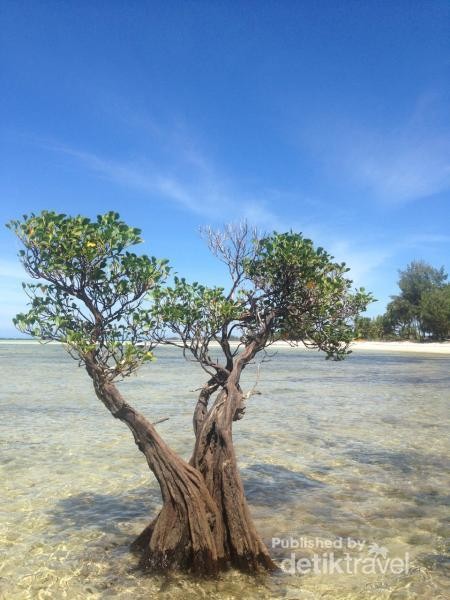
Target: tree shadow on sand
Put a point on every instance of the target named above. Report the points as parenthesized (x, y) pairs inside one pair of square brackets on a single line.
[(275, 485), (265, 484), (404, 462), (118, 516), (91, 510)]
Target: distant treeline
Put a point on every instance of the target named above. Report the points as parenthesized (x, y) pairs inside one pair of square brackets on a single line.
[(420, 312)]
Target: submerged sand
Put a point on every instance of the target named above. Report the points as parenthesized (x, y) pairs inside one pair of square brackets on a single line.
[(328, 452)]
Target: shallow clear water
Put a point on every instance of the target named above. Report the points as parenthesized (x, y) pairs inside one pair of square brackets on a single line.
[(357, 450)]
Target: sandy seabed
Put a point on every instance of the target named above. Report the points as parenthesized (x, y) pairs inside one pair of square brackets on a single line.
[(328, 452)]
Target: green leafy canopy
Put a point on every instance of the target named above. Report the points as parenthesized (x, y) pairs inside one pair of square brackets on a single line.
[(282, 287), (308, 293), (109, 304), (91, 287)]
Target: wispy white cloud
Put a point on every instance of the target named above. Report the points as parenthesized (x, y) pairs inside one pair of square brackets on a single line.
[(192, 182), (362, 258), (425, 238), (414, 165), (367, 258), (188, 178), (207, 193), (12, 298), (396, 164), (12, 270)]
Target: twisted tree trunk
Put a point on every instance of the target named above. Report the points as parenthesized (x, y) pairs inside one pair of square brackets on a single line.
[(205, 523), (214, 457), (188, 532)]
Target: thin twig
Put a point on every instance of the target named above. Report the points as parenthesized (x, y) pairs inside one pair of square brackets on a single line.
[(160, 421)]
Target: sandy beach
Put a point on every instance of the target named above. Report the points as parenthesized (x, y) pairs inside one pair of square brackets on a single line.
[(356, 346), (425, 348), (401, 346)]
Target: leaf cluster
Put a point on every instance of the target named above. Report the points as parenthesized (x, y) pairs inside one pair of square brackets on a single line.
[(195, 314), (308, 294), (93, 287), (418, 310), (110, 305)]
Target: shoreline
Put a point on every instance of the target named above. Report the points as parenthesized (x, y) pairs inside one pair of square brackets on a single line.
[(394, 346), (403, 346), (442, 348)]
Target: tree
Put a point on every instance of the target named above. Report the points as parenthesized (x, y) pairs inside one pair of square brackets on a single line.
[(402, 318), (435, 312), (404, 311), (419, 277), (110, 308), (362, 327), (281, 286), (376, 328)]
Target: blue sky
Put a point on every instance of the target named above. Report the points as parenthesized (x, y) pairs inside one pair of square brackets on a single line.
[(331, 118)]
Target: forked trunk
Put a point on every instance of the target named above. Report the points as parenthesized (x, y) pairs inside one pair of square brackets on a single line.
[(187, 533), (205, 523), (215, 459)]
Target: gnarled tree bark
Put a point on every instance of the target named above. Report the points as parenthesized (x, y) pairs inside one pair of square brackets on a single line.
[(205, 524), (188, 533), (214, 457)]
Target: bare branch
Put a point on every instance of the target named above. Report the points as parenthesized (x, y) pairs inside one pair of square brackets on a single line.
[(232, 245), (253, 391), (160, 421)]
